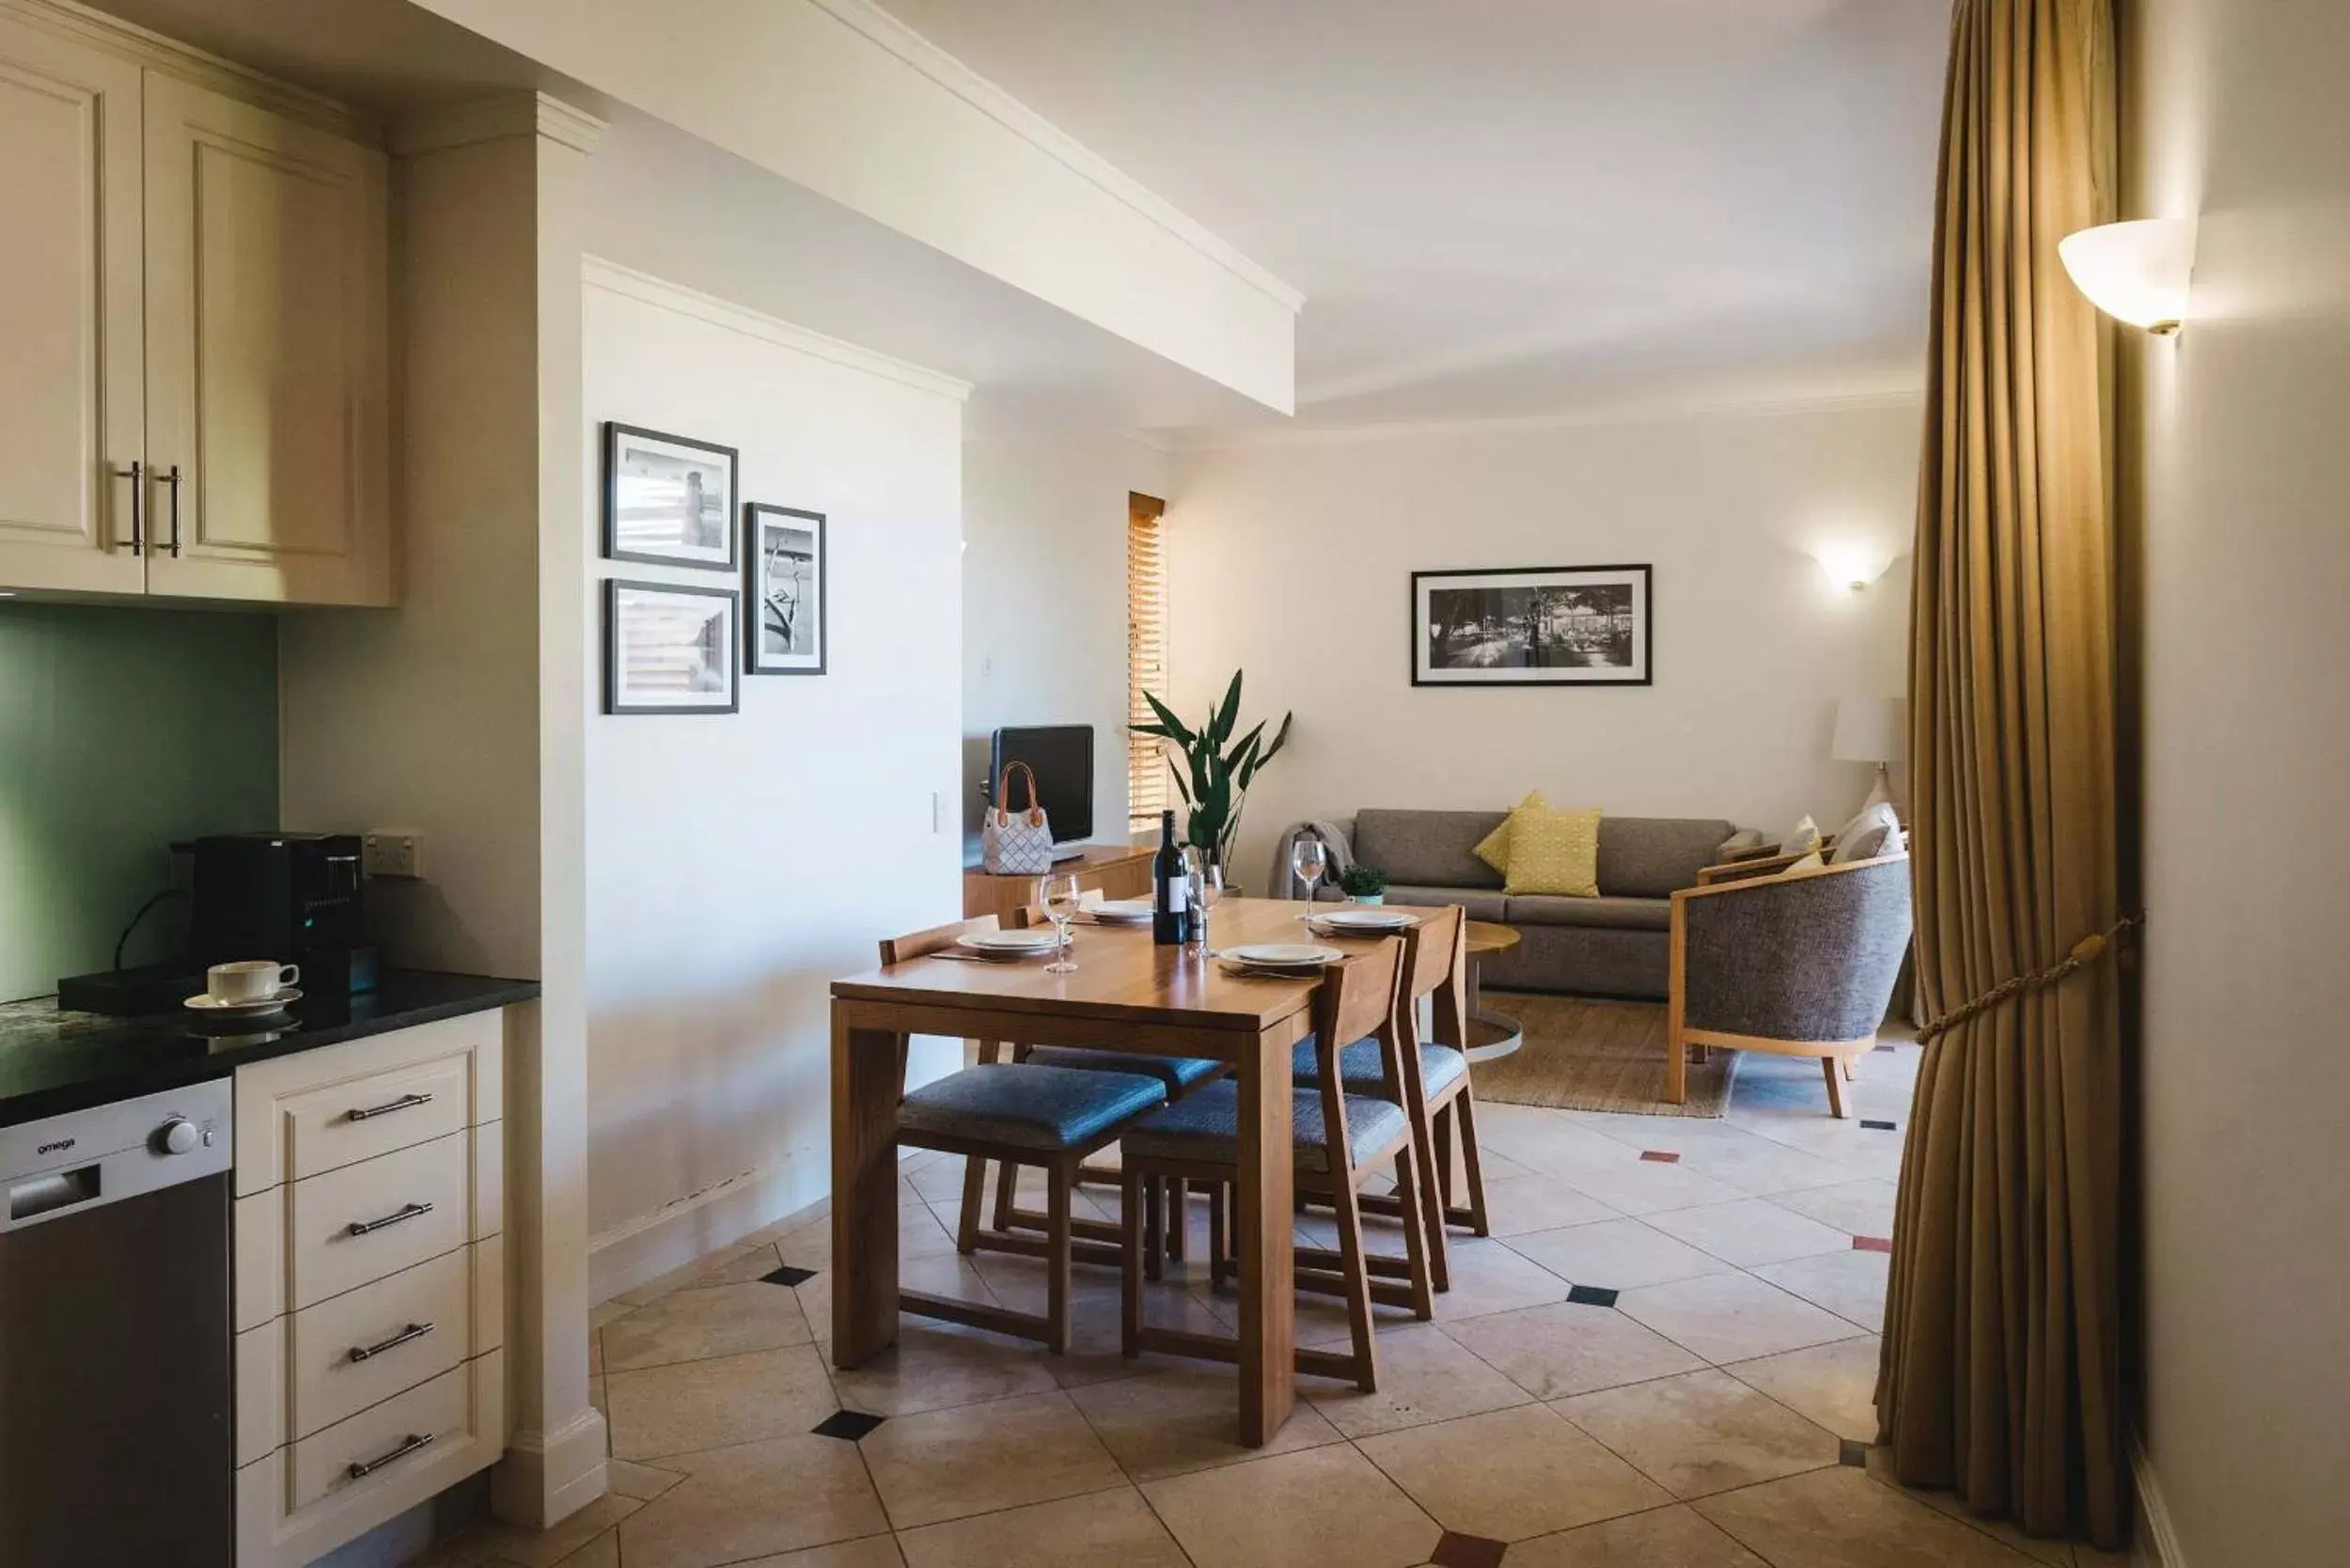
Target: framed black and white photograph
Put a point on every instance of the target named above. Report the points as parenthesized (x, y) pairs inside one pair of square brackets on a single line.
[(668, 647), (669, 500), (1532, 626), (783, 554)]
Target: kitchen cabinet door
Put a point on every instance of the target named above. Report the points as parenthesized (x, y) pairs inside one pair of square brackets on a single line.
[(70, 314), (266, 398)]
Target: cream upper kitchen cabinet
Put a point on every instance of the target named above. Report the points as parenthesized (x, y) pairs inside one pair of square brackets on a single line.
[(71, 377), (265, 376), (193, 399)]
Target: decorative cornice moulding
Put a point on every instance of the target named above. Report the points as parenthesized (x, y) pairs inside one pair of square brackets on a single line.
[(596, 273), (496, 118)]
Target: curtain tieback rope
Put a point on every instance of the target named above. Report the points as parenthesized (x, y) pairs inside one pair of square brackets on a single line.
[(2085, 952)]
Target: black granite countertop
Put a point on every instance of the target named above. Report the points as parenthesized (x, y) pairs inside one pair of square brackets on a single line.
[(52, 1061)]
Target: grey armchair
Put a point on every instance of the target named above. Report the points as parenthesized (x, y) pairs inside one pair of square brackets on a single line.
[(1801, 962)]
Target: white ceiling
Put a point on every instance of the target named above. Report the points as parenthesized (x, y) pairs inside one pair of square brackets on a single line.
[(1501, 208)]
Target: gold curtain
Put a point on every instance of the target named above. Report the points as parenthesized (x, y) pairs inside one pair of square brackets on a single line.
[(2000, 1376)]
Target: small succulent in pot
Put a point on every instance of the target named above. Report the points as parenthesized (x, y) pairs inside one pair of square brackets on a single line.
[(1363, 883)]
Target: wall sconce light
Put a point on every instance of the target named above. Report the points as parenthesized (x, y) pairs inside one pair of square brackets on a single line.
[(2137, 271), (1853, 567)]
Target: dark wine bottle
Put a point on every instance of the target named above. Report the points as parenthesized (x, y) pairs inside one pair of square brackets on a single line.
[(1169, 901)]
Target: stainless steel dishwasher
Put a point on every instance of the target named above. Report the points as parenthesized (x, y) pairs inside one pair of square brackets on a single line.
[(116, 1441)]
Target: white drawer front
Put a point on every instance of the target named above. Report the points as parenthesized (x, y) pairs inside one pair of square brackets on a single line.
[(363, 1347), (344, 1124), (412, 1204), (294, 1113), (303, 1500), (381, 1439)]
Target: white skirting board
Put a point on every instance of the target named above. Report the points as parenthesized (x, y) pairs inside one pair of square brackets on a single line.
[(2156, 1543)]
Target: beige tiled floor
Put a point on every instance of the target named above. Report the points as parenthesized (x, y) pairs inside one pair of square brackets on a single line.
[(1695, 1424)]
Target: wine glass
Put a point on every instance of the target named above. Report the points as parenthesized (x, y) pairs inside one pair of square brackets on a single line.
[(1308, 859), (1204, 884), (1062, 898)]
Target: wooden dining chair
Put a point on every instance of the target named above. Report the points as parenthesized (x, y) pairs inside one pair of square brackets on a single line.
[(1437, 1094), (1164, 1223), (1341, 1140), (1018, 1112)]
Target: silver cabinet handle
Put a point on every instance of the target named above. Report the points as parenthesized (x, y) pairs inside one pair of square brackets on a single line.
[(362, 1468), (136, 474), (172, 480), (413, 1331), (407, 1211), (406, 1102)]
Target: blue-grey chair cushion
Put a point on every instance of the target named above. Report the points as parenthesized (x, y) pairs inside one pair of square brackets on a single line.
[(1030, 1106), (1174, 1072), (1358, 1066), (1206, 1127)]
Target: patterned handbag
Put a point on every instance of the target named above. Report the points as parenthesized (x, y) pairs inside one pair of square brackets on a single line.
[(1015, 843)]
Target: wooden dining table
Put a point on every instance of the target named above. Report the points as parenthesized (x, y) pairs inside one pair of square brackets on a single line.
[(1126, 995)]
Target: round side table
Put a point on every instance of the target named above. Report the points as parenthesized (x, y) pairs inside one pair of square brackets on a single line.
[(1490, 1034)]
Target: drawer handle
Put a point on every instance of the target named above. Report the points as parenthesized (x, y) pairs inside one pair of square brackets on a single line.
[(406, 1102), (407, 1211), (413, 1331), (362, 1468)]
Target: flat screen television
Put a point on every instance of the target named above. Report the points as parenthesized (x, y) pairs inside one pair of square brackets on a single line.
[(1061, 757)]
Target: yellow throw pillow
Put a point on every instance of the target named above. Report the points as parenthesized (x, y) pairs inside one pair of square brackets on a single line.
[(1494, 849), (1554, 852)]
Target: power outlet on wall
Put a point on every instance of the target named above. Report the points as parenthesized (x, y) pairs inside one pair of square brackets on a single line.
[(392, 852)]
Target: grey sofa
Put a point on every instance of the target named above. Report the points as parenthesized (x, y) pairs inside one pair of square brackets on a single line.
[(1615, 945)]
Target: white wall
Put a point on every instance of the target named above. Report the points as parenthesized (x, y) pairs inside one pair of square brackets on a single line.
[(1044, 598), (2237, 112), (1293, 561), (738, 864)]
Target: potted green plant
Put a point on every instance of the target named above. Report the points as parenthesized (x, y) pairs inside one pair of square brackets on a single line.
[(1364, 884), (1216, 770)]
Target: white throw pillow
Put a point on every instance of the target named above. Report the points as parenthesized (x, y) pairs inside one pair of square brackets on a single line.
[(1809, 863), (1864, 838), (1803, 840)]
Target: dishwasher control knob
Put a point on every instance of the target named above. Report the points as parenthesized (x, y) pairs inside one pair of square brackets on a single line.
[(175, 1137)]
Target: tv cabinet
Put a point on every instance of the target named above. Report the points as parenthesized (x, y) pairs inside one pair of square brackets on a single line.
[(1117, 870)]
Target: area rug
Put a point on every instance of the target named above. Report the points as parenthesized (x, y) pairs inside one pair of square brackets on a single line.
[(1587, 1054)]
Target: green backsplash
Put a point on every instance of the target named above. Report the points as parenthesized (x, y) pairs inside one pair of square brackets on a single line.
[(120, 730)]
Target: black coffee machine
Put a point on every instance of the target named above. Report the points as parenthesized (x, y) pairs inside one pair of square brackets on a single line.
[(294, 897)]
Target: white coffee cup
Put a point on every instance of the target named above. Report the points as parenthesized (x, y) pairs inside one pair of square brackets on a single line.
[(249, 980)]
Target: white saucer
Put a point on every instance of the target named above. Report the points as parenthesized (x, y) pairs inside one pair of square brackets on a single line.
[(1121, 911), (209, 1003)]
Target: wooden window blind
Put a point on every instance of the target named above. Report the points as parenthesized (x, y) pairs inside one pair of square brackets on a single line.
[(1147, 793)]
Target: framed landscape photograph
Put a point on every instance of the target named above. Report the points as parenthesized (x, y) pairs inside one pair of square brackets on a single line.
[(1532, 626), (783, 554), (669, 500), (668, 647)]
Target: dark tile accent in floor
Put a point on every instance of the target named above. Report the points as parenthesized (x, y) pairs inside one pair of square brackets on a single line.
[(1455, 1550), (1879, 1126), (1662, 1156), (1872, 1243), (787, 1275), (1591, 1295), (849, 1425), (1852, 1452)]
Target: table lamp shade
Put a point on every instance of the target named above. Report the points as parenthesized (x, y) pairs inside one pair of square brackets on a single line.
[(1870, 729)]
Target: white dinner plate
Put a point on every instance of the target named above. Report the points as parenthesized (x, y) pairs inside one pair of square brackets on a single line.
[(1009, 944), (1367, 919), (209, 1003), (1121, 911), (1283, 955)]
